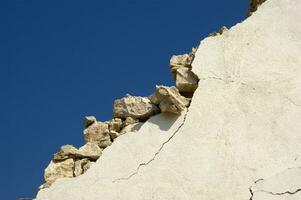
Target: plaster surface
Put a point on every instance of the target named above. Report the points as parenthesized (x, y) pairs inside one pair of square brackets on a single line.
[(243, 124)]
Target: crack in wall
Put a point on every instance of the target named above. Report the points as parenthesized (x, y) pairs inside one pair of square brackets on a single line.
[(156, 154), (281, 193), (272, 193)]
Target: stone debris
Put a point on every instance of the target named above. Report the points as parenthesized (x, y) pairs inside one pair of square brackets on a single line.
[(169, 99), (186, 80), (90, 150), (89, 120), (115, 124), (98, 133), (66, 151), (129, 114), (81, 166), (179, 61), (134, 106), (128, 121), (56, 170), (180, 66)]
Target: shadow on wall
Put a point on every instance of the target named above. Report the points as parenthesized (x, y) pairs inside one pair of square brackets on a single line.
[(164, 120)]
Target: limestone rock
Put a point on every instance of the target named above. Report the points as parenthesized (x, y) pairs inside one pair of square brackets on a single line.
[(56, 170), (66, 151), (180, 61), (134, 106), (131, 128), (79, 166), (128, 121), (169, 99), (98, 133), (186, 80), (89, 150), (115, 124), (89, 120), (114, 135)]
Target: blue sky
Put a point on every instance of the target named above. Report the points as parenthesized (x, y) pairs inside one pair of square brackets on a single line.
[(63, 60)]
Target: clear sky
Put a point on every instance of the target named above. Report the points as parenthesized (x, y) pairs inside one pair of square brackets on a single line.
[(63, 60)]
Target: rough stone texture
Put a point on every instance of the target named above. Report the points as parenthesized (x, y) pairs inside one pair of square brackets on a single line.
[(169, 99), (115, 124), (66, 151), (79, 166), (181, 61), (90, 150), (57, 170), (135, 107), (128, 121), (98, 133), (243, 124), (89, 120), (186, 80), (254, 4)]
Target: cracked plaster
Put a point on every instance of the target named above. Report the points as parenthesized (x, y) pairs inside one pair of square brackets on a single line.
[(243, 124)]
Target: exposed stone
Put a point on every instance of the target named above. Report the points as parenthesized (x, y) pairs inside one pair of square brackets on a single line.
[(115, 124), (98, 133), (179, 61), (87, 166), (131, 128), (186, 80), (135, 107), (66, 151), (128, 121), (56, 170), (113, 135), (89, 150), (79, 166), (169, 99), (89, 120), (254, 4)]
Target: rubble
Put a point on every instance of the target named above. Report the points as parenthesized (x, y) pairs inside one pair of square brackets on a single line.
[(180, 61), (89, 120), (98, 133), (56, 170), (186, 80), (81, 166), (169, 99), (129, 114), (134, 106)]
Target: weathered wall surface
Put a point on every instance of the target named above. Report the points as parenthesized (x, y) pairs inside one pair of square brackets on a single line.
[(243, 125)]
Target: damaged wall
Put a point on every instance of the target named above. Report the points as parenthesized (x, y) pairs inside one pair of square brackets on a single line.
[(240, 130)]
